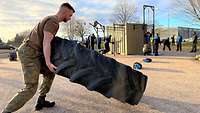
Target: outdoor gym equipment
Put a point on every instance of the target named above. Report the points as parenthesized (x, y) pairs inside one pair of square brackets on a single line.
[(137, 66), (147, 60)]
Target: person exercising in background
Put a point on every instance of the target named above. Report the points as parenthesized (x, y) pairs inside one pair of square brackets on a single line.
[(166, 42)]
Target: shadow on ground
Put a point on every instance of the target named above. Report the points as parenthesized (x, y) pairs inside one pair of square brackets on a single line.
[(171, 106), (163, 70)]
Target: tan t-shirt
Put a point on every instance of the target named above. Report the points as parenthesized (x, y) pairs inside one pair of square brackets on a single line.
[(49, 24)]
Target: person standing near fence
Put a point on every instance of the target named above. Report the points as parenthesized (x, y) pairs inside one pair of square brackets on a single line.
[(173, 40), (194, 43), (179, 40)]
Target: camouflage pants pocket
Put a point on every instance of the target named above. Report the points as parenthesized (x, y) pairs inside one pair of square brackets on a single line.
[(31, 72)]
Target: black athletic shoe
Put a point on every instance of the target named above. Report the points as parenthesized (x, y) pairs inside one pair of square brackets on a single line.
[(43, 103)]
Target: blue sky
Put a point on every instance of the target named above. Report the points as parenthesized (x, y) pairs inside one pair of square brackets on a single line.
[(19, 15)]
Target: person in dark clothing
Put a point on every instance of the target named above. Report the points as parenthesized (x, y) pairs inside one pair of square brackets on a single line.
[(194, 43), (87, 42), (92, 38), (147, 37), (99, 43), (179, 40), (147, 43), (156, 44), (173, 40), (166, 43), (107, 45)]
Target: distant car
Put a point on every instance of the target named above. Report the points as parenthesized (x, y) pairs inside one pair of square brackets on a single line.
[(6, 46)]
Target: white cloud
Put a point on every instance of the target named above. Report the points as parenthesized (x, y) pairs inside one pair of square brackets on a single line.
[(93, 11), (19, 15), (109, 2), (82, 18)]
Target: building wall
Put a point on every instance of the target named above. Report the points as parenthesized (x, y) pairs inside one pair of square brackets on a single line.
[(135, 38), (188, 32), (118, 37), (165, 32), (184, 31), (128, 39)]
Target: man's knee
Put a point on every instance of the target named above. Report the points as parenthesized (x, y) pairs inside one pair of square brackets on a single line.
[(30, 90), (33, 89)]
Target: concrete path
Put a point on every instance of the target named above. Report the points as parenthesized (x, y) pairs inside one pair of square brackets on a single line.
[(173, 87)]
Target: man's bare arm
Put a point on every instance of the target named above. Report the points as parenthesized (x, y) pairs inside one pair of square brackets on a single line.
[(48, 37)]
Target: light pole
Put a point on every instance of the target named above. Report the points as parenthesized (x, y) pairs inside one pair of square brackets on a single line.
[(168, 23)]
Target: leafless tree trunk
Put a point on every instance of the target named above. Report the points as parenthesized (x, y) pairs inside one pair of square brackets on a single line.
[(123, 12)]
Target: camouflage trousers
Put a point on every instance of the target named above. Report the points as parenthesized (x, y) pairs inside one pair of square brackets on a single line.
[(32, 65)]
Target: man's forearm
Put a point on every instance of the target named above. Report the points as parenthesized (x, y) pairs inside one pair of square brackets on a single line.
[(47, 53), (48, 37)]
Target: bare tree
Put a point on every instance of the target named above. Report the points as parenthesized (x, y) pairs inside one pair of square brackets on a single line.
[(68, 29), (123, 12), (80, 29), (193, 9), (190, 8), (18, 39), (75, 28)]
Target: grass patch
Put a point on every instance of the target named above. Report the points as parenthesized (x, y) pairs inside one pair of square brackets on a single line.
[(187, 46)]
